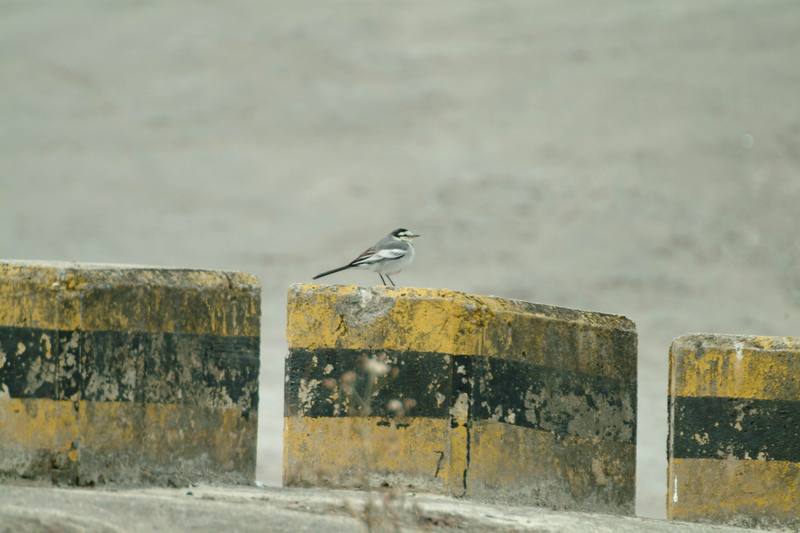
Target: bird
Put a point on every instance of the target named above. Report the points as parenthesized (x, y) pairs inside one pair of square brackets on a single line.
[(388, 256)]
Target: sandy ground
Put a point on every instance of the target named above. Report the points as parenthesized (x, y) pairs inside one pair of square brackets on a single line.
[(238, 509), (629, 157)]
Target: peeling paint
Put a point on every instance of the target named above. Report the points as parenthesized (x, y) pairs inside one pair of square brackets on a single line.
[(430, 320), (136, 375), (460, 409), (46, 345), (537, 404), (511, 417), (305, 395), (364, 306), (440, 398), (735, 430)]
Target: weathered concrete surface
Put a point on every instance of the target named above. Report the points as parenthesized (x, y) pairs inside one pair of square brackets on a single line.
[(25, 509), (127, 374), (464, 395), (636, 157), (734, 440)]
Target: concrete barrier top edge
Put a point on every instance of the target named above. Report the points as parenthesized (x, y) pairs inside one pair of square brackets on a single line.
[(733, 342), (735, 366), (493, 303), (102, 274), (70, 296)]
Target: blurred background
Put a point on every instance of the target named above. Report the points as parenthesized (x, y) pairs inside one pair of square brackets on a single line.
[(638, 158)]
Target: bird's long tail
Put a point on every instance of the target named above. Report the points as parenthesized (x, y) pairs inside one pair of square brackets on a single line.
[(335, 270)]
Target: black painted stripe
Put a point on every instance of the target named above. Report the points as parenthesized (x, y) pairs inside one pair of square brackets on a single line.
[(125, 366), (334, 382), (721, 428), (29, 362), (562, 402)]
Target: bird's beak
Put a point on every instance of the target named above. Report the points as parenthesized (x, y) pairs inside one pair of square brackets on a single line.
[(414, 235)]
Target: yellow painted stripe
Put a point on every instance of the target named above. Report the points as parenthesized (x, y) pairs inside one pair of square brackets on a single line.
[(435, 320), (458, 464), (748, 493), (358, 452), (527, 466), (766, 368), (34, 424), (121, 435), (30, 296), (506, 463), (108, 437), (103, 298)]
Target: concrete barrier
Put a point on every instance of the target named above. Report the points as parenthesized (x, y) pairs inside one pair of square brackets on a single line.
[(127, 374), (734, 430), (458, 394)]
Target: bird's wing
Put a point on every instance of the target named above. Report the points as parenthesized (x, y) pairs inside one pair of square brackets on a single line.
[(371, 255), (391, 253)]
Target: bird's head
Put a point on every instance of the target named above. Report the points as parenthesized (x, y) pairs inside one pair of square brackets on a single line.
[(404, 235)]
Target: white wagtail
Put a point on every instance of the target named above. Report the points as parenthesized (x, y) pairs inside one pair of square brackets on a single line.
[(389, 255)]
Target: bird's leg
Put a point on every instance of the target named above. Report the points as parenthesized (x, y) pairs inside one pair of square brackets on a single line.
[(383, 280), (390, 281)]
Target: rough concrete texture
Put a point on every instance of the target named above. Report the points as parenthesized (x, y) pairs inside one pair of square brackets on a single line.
[(734, 440), (127, 374), (639, 158), (212, 509), (466, 395)]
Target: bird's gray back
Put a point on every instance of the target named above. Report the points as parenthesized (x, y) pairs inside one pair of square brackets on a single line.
[(392, 243)]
